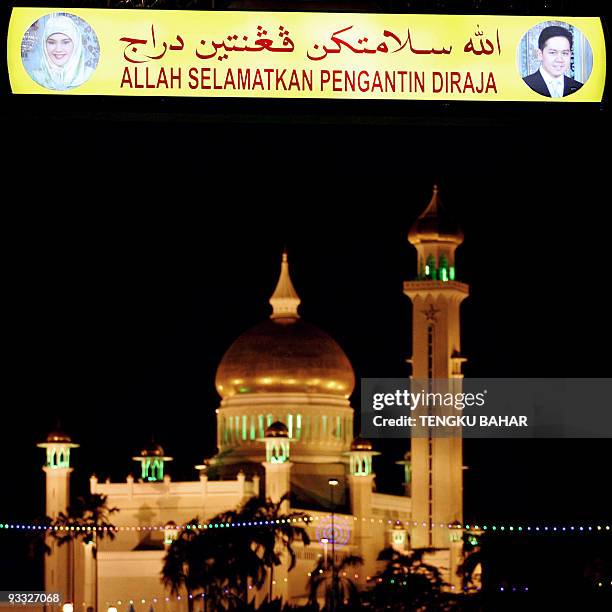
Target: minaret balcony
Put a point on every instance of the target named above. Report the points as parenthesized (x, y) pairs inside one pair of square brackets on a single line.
[(420, 286)]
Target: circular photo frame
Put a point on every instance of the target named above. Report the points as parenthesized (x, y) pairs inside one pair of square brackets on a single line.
[(60, 51), (554, 59)]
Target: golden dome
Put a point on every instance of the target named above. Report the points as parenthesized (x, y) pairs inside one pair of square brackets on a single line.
[(286, 355)]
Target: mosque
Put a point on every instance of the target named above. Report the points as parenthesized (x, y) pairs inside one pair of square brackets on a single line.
[(285, 423)]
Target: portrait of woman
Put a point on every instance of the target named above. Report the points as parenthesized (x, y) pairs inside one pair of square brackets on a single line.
[(60, 52)]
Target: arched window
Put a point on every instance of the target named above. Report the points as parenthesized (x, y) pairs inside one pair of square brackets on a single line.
[(430, 268), (443, 267), (290, 425), (298, 426)]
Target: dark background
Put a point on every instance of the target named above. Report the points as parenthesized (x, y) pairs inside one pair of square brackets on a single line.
[(140, 238)]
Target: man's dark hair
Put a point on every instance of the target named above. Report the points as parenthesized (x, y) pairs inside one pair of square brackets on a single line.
[(552, 31)]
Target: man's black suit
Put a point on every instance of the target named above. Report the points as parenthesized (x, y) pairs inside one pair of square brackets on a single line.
[(538, 84)]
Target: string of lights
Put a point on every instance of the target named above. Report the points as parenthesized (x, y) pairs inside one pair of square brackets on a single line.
[(484, 527), (130, 601), (163, 598)]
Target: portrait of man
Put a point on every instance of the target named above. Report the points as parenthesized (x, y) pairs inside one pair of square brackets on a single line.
[(555, 54)]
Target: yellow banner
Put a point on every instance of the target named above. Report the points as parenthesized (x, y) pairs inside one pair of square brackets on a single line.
[(306, 55)]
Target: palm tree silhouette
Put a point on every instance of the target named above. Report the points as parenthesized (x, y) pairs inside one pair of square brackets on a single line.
[(343, 593), (272, 544), (223, 563), (87, 520), (407, 584), (190, 564)]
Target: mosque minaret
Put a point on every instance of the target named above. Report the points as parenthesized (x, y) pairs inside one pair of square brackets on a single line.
[(437, 462)]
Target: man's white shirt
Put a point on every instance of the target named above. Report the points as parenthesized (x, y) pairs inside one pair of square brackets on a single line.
[(554, 84)]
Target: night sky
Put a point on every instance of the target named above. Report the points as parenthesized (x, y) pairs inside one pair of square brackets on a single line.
[(137, 248)]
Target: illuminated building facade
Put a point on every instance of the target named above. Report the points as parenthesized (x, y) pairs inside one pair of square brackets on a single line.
[(285, 424)]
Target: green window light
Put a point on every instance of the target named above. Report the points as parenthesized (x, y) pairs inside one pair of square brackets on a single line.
[(430, 268), (290, 425), (260, 422), (443, 268)]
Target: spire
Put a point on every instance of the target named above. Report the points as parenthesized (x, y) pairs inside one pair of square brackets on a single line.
[(284, 300), (435, 224), (432, 209)]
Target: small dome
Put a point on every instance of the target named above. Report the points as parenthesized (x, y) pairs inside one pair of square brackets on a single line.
[(277, 430), (58, 436), (361, 444), (152, 450), (435, 224)]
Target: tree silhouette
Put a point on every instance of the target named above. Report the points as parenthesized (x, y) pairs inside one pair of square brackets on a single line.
[(472, 559), (87, 520), (407, 584), (321, 581), (190, 565), (225, 562)]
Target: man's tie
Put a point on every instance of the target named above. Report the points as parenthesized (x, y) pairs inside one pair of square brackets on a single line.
[(557, 89)]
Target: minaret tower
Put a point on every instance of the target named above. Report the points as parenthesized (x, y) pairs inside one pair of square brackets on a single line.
[(152, 460), (278, 477), (361, 483), (277, 464), (437, 462), (57, 469)]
